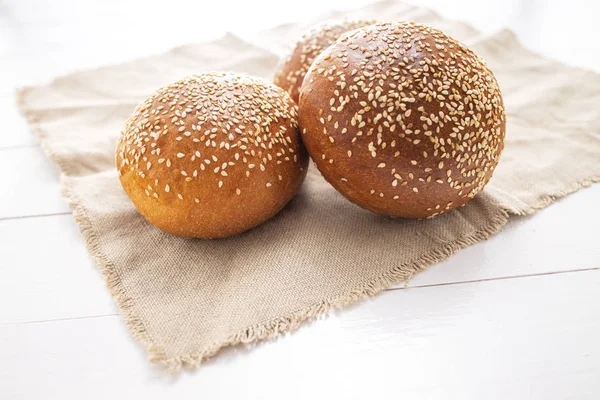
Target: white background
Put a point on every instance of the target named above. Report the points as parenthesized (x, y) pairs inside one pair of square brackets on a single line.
[(515, 317)]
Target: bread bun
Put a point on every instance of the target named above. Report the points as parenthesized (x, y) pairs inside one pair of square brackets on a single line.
[(212, 155), (291, 70), (402, 119)]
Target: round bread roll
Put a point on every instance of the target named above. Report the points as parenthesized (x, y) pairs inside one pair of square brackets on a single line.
[(291, 70), (212, 155), (402, 119)]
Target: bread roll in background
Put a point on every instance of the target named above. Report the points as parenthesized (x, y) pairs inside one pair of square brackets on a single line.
[(212, 155), (402, 119), (291, 70)]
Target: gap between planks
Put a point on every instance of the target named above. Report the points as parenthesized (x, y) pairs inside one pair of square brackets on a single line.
[(35, 216), (499, 278), (19, 146)]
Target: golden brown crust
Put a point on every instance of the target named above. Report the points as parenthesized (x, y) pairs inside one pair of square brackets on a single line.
[(402, 119), (291, 70), (212, 155)]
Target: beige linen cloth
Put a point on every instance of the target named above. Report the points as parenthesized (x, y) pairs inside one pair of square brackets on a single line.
[(184, 299)]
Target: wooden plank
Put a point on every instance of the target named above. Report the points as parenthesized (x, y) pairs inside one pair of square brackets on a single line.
[(43, 283), (30, 184), (535, 24), (532, 338), (46, 31), (16, 132), (48, 273), (558, 238)]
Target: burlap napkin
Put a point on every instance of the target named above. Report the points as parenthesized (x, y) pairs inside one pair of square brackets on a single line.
[(185, 299)]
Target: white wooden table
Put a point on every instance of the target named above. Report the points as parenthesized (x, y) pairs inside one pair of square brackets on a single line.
[(516, 317)]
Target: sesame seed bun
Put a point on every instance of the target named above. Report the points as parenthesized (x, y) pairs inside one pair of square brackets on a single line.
[(291, 70), (402, 119), (212, 155)]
